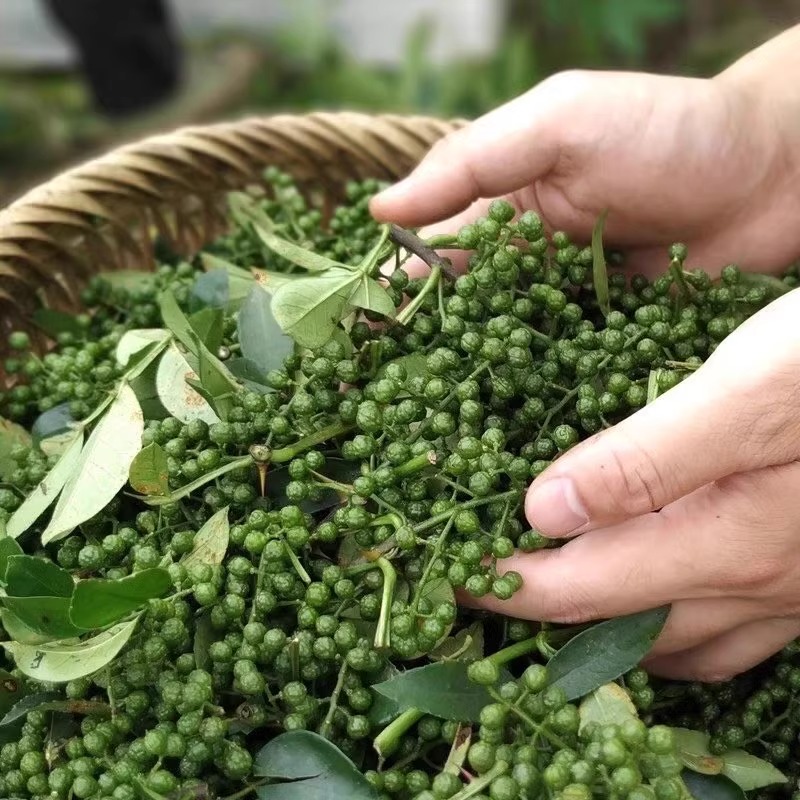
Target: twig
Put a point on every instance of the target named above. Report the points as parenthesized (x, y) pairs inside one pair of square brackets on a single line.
[(417, 246)]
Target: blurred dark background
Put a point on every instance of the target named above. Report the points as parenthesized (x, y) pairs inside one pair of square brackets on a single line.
[(76, 79)]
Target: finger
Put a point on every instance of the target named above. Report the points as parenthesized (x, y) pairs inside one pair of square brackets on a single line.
[(731, 539), (730, 654), (694, 622), (637, 565), (711, 425), (499, 153)]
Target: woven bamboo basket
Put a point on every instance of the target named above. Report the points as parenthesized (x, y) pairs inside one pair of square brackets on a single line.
[(106, 214)]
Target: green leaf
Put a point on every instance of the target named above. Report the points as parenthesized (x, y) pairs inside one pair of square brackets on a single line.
[(11, 434), (176, 321), (97, 602), (599, 271), (46, 616), (149, 473), (46, 491), (213, 375), (307, 259), (382, 711), (441, 690), (269, 281), (175, 394), (19, 631), (30, 576), (369, 294), (210, 542), (694, 753), (749, 772), (261, 338), (745, 770), (60, 663), (208, 324), (313, 769), (248, 374), (54, 422), (240, 280), (711, 787), (54, 322), (53, 701), (135, 341), (466, 645), (128, 278), (141, 361), (211, 289), (603, 652), (309, 309), (218, 384), (8, 547), (23, 706), (103, 467), (609, 704)]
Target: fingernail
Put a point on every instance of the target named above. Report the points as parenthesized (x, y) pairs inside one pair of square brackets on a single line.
[(554, 508)]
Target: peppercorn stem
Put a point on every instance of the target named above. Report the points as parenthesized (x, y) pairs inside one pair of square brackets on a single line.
[(437, 550), (318, 437), (278, 456), (476, 503), (185, 491), (327, 723), (345, 488), (542, 730), (408, 312), (382, 632), (446, 402), (415, 464), (387, 741), (443, 240), (295, 561), (293, 648), (676, 269), (262, 569), (515, 650), (479, 784)]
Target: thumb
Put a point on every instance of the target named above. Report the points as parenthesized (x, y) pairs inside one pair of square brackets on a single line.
[(708, 427), (500, 152)]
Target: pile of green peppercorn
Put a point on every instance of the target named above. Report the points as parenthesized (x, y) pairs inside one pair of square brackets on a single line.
[(295, 522)]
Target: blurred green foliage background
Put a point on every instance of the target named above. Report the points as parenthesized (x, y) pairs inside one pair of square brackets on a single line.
[(47, 121)]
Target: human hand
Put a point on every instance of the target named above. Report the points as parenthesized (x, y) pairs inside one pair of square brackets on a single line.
[(705, 162), (690, 501)]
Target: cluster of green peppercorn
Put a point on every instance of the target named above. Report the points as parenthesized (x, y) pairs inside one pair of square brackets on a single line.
[(366, 482)]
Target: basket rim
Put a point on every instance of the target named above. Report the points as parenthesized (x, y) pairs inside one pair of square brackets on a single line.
[(104, 214)]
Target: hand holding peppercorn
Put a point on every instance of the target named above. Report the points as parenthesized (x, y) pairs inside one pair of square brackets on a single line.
[(712, 163), (691, 501)]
